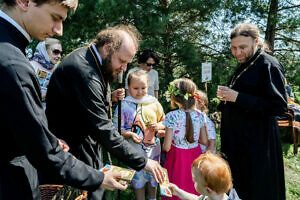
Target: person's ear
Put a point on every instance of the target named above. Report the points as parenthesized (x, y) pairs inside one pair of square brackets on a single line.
[(23, 4), (209, 191), (106, 49)]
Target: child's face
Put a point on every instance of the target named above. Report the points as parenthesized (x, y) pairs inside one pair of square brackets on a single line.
[(138, 87), (199, 182)]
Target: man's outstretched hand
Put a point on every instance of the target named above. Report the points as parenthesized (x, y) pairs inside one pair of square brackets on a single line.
[(110, 181), (154, 167)]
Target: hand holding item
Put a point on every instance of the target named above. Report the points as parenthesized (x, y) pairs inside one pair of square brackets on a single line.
[(135, 138), (226, 94), (110, 181), (154, 167), (118, 95), (174, 189), (63, 145)]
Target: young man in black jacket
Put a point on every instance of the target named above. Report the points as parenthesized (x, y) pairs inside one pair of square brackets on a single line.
[(22, 119)]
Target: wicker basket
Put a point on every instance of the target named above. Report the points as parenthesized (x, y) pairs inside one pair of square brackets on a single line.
[(48, 192)]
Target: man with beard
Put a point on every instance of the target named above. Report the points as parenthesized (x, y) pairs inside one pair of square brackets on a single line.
[(79, 101), (249, 131)]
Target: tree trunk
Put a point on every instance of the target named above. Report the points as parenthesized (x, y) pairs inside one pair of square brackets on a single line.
[(271, 24)]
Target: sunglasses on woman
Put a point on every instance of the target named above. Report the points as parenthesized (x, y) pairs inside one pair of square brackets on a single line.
[(150, 64), (56, 52)]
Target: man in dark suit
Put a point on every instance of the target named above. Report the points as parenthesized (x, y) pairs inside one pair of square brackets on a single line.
[(79, 100), (22, 119)]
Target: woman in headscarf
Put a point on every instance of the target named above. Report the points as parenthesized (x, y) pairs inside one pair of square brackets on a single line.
[(46, 56)]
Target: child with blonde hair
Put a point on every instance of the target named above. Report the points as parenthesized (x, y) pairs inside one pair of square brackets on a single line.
[(212, 178), (141, 124), (202, 105), (184, 131)]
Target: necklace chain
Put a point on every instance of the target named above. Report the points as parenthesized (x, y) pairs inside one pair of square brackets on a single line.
[(234, 78), (108, 93)]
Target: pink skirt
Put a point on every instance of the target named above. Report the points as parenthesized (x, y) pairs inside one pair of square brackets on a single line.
[(179, 165)]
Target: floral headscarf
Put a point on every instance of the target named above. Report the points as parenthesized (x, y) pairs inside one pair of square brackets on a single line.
[(41, 56)]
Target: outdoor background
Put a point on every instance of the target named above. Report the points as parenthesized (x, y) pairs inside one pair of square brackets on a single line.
[(186, 33)]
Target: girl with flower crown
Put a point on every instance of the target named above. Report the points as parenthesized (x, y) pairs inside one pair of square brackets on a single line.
[(184, 131)]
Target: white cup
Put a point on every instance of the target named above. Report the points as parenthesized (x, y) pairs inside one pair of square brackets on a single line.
[(220, 87)]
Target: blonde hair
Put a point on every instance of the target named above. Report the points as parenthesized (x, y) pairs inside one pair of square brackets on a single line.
[(51, 41), (202, 103), (138, 74), (249, 30), (215, 171), (185, 85)]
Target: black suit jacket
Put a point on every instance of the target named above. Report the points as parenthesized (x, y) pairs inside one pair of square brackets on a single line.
[(23, 126)]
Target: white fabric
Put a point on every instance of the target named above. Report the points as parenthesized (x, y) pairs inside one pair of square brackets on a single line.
[(211, 132), (15, 24), (153, 83), (42, 49), (145, 99)]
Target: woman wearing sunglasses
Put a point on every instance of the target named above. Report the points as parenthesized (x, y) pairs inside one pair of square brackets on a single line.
[(148, 59), (46, 56)]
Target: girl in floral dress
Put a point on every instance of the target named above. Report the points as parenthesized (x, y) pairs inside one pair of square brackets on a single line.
[(141, 124), (184, 131)]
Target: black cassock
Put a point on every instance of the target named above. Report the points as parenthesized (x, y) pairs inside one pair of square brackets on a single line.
[(249, 131), (26, 143), (78, 107)]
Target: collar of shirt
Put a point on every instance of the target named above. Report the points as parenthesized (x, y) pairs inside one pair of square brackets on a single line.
[(15, 24), (97, 53)]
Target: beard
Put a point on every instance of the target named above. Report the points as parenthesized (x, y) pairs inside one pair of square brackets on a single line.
[(108, 69), (250, 54)]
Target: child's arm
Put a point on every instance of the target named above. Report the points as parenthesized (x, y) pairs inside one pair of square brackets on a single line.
[(168, 139), (128, 134), (211, 145), (203, 136), (176, 191)]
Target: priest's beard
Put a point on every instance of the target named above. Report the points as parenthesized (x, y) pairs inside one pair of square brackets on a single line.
[(108, 69), (250, 54)]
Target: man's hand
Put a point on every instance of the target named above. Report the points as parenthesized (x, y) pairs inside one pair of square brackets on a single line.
[(154, 167), (227, 94), (118, 94), (110, 181), (63, 145)]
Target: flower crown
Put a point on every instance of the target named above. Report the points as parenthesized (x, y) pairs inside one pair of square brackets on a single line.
[(172, 89)]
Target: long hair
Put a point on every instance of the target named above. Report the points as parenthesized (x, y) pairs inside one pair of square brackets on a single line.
[(215, 171), (249, 30), (185, 86)]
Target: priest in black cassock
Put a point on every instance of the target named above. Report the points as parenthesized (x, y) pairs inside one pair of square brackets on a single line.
[(249, 131), (79, 101), (26, 142)]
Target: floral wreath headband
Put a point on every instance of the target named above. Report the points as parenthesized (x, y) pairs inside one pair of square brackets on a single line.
[(172, 89)]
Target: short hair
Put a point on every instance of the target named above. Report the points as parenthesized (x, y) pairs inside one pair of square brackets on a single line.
[(138, 74), (249, 30), (70, 4), (51, 41), (114, 36), (146, 54), (215, 171)]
